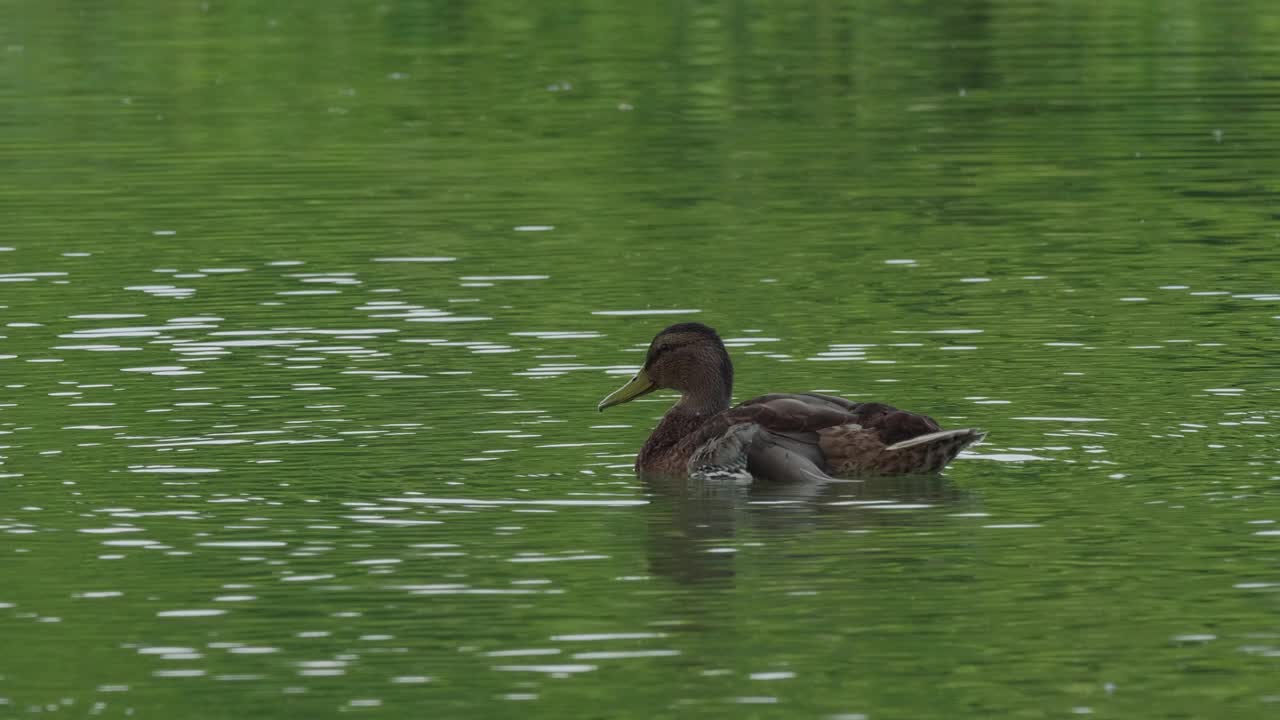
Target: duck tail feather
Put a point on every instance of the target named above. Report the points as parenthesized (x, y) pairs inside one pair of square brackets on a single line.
[(960, 438)]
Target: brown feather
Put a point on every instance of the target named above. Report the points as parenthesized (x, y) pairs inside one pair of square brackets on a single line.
[(805, 435)]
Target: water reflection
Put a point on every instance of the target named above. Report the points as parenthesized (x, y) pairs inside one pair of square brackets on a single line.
[(695, 528)]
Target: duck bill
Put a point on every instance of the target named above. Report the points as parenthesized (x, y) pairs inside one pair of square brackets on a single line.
[(637, 386)]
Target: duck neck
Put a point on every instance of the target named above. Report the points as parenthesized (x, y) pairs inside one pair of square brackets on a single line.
[(708, 396), (683, 420), (700, 404)]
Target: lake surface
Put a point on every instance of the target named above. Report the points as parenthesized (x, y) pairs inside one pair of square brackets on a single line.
[(307, 309)]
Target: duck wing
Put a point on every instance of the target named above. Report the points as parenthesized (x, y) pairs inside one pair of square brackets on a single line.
[(746, 450), (814, 411), (772, 436), (789, 436)]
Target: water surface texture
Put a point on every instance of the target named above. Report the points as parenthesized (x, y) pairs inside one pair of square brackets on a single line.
[(305, 309)]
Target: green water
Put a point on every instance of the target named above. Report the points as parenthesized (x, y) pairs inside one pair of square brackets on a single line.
[(307, 308)]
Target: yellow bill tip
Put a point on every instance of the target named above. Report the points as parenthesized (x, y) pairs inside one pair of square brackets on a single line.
[(635, 387)]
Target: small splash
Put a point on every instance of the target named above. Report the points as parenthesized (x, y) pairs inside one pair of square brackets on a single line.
[(624, 654), (553, 502), (623, 313), (173, 469), (1047, 418), (1011, 526), (243, 544), (772, 675), (559, 334), (190, 613), (494, 278), (523, 652), (565, 669), (1003, 457), (595, 637)]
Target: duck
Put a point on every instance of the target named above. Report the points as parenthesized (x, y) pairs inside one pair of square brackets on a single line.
[(774, 437)]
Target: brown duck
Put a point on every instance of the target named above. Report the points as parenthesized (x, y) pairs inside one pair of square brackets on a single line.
[(778, 436)]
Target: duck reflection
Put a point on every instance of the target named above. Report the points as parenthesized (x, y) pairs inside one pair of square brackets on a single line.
[(693, 524)]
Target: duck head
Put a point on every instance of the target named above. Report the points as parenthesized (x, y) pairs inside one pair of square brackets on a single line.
[(689, 358)]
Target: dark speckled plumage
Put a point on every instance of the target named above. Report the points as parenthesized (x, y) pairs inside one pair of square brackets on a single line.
[(778, 436)]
